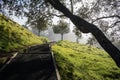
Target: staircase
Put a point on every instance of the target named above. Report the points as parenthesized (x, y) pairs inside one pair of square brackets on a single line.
[(36, 63)]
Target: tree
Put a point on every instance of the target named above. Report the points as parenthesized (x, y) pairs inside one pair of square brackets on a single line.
[(91, 41), (61, 28), (35, 8), (78, 34), (40, 24), (87, 27)]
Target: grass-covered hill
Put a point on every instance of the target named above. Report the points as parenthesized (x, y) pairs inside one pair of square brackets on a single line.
[(84, 62), (13, 36)]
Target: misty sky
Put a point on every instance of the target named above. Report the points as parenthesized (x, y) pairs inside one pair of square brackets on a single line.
[(49, 33)]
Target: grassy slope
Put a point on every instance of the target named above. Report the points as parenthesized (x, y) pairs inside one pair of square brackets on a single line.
[(14, 36), (82, 62)]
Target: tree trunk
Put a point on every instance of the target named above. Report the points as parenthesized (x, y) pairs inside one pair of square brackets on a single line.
[(77, 40), (39, 32), (86, 27), (61, 36)]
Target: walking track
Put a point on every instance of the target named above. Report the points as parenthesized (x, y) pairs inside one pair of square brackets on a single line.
[(35, 63)]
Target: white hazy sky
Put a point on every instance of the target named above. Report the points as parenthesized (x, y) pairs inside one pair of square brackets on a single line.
[(55, 20), (19, 20)]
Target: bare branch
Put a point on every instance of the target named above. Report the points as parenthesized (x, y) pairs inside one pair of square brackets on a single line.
[(93, 7), (113, 16), (71, 6), (114, 24), (51, 14)]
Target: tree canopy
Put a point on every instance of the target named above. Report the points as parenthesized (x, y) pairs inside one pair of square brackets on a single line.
[(78, 34), (86, 18), (61, 28), (39, 23)]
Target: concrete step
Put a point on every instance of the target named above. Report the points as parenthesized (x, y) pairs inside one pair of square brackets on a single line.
[(36, 63), (38, 52), (30, 67), (37, 48)]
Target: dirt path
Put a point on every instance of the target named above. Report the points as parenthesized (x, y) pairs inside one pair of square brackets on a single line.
[(35, 64)]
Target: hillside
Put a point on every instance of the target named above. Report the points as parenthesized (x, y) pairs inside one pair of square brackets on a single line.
[(13, 36), (84, 62)]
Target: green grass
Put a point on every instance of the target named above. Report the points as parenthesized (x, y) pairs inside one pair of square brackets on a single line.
[(84, 62), (13, 36)]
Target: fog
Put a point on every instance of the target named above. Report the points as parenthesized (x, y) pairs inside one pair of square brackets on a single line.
[(56, 37), (50, 34)]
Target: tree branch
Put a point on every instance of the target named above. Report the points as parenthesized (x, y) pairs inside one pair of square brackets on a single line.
[(71, 6), (113, 16), (93, 7), (57, 5), (114, 24), (57, 15)]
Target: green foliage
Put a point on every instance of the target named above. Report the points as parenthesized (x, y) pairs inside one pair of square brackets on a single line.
[(14, 36), (61, 28), (44, 39), (91, 40), (82, 62), (39, 23), (78, 33)]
